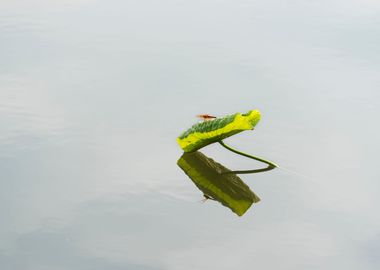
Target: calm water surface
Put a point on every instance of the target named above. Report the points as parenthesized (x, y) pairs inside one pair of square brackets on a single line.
[(94, 93)]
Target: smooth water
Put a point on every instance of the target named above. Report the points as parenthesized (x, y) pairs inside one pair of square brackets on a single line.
[(94, 93)]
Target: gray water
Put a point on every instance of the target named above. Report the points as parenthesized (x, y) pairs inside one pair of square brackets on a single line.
[(94, 93)]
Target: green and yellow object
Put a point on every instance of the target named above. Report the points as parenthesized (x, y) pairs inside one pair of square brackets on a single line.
[(205, 133), (217, 182)]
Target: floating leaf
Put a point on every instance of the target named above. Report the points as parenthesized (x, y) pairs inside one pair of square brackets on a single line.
[(217, 182), (204, 133)]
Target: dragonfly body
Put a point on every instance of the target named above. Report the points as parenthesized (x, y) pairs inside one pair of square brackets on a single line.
[(206, 117)]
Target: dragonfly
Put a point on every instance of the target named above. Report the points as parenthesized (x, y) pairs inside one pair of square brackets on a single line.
[(206, 117)]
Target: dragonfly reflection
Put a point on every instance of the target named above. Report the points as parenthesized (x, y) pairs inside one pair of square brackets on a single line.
[(218, 183)]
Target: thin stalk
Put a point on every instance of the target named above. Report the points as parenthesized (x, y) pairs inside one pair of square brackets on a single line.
[(271, 164), (270, 167)]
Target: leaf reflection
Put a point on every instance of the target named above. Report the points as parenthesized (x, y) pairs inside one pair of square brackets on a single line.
[(219, 183)]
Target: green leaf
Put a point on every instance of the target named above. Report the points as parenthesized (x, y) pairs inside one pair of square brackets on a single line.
[(205, 133), (217, 182)]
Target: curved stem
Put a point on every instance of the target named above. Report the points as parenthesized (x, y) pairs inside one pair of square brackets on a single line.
[(271, 164), (270, 167)]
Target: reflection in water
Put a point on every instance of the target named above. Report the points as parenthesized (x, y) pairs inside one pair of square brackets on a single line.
[(219, 183)]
